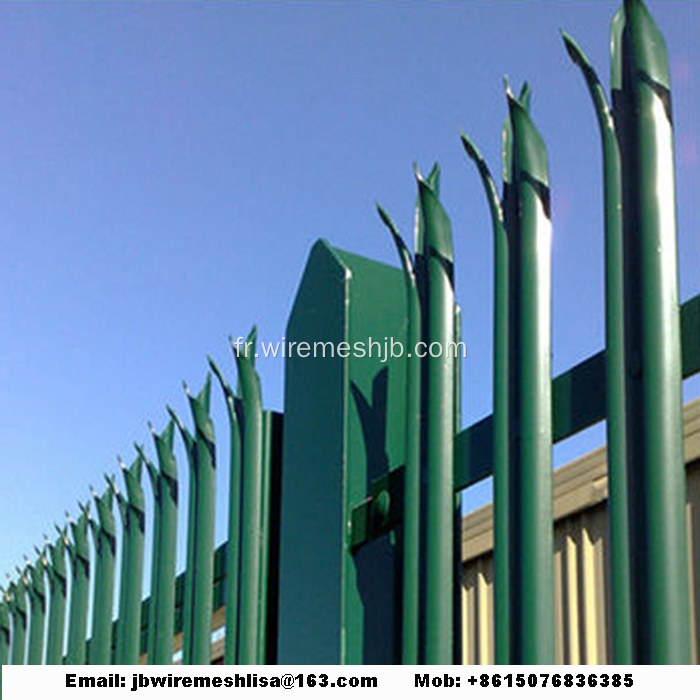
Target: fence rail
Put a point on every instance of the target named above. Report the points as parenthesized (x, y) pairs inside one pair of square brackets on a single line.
[(344, 518)]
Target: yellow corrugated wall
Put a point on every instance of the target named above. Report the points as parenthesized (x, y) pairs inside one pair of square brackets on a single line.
[(580, 560)]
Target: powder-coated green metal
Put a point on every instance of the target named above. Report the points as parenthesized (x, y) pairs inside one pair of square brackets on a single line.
[(37, 607), (433, 180), (188, 582), (4, 630), (199, 576), (500, 407), (58, 589), (132, 509), (79, 555), (252, 510), (501, 214), (578, 402), (620, 588), (264, 534), (457, 567), (161, 609), (318, 313), (656, 474), (104, 535), (233, 561), (205, 459), (341, 437), (411, 494), (438, 422), (354, 471), (18, 612), (529, 402)]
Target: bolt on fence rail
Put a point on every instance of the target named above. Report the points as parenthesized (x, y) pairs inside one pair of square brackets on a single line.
[(343, 536)]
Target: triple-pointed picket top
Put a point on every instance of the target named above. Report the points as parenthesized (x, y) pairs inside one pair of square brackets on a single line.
[(430, 423), (253, 554), (651, 622), (435, 277), (618, 525), (132, 508), (164, 483), (234, 410), (643, 355), (641, 100), (199, 575), (5, 627), (523, 540), (58, 590), (17, 602), (36, 591), (105, 540), (411, 512), (500, 208), (79, 556)]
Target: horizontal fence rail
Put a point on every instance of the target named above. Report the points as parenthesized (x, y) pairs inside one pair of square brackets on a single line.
[(344, 525)]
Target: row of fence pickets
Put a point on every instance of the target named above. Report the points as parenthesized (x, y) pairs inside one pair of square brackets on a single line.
[(581, 541), (392, 458)]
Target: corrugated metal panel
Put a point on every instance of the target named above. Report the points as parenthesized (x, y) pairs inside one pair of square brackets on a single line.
[(581, 596), (693, 510)]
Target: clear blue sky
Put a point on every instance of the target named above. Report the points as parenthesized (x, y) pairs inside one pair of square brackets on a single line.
[(166, 167)]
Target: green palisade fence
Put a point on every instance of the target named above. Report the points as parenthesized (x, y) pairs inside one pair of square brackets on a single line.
[(343, 518), (58, 588), (105, 547), (132, 508)]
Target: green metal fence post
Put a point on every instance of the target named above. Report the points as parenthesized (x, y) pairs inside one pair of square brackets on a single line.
[(438, 417), (104, 537), (4, 628), (500, 406), (4, 632), (656, 474), (199, 577), (457, 567), (132, 508), (614, 360), (205, 460), (252, 547), (79, 554), (412, 418), (368, 566), (189, 444), (265, 535), (530, 420), (503, 220), (58, 589), (161, 610), (341, 444), (233, 562), (18, 612), (37, 608)]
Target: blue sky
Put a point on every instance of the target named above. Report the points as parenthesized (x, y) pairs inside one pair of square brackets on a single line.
[(166, 167)]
